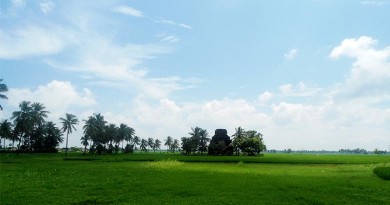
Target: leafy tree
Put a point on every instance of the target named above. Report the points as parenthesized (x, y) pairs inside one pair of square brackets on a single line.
[(238, 137), (52, 137), (252, 143), (6, 130), (3, 89), (110, 135), (187, 145), (168, 143), (68, 125), (23, 122)]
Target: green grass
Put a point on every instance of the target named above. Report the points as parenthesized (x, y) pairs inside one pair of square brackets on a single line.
[(155, 179), (382, 172)]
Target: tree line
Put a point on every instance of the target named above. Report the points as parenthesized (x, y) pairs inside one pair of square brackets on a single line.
[(31, 131)]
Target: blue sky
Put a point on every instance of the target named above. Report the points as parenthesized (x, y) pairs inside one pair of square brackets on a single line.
[(307, 74)]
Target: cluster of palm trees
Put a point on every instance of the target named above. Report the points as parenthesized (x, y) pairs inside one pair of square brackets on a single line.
[(197, 142), (172, 144), (30, 129)]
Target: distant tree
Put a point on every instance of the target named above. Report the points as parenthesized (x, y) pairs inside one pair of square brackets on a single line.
[(151, 143), (168, 143), (238, 137), (187, 145), (203, 140), (3, 89), (84, 141), (23, 122), (157, 145), (94, 128), (68, 125), (144, 145), (6, 131), (52, 137), (136, 141), (175, 145), (252, 143), (111, 134)]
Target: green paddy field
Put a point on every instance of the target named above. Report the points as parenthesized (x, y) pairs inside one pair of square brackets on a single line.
[(175, 179)]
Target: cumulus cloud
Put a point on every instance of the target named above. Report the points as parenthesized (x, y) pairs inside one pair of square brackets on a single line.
[(58, 96), (127, 10), (370, 73), (265, 97)]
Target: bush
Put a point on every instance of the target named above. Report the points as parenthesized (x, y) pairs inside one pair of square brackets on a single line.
[(382, 172)]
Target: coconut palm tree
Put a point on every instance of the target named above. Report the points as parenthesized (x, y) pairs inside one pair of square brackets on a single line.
[(94, 129), (144, 145), (203, 140), (168, 143), (157, 144), (136, 141), (23, 121), (68, 125), (151, 143), (6, 130), (3, 89), (84, 141), (175, 145)]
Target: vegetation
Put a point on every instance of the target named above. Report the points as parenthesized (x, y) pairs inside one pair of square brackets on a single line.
[(382, 172), (165, 180)]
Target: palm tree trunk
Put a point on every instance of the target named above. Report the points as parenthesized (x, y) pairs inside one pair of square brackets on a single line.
[(66, 146), (85, 149)]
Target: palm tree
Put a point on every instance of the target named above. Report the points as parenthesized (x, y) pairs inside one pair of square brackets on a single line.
[(3, 88), (5, 130), (204, 139), (175, 145), (84, 141), (68, 123), (157, 144), (151, 143), (144, 145), (136, 141), (168, 143), (94, 129), (23, 121)]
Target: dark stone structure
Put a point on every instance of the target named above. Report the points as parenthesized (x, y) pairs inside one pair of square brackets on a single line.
[(220, 143)]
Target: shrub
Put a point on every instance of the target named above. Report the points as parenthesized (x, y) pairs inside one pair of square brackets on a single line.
[(382, 172)]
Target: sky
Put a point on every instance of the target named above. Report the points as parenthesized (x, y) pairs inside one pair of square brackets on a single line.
[(307, 74)]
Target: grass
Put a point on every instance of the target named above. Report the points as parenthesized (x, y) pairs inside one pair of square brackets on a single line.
[(172, 179), (382, 172)]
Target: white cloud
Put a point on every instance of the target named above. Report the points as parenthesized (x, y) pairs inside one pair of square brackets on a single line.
[(46, 7), (173, 23), (291, 54), (370, 73), (31, 41), (265, 97), (299, 90), (127, 10), (58, 96), (170, 39)]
